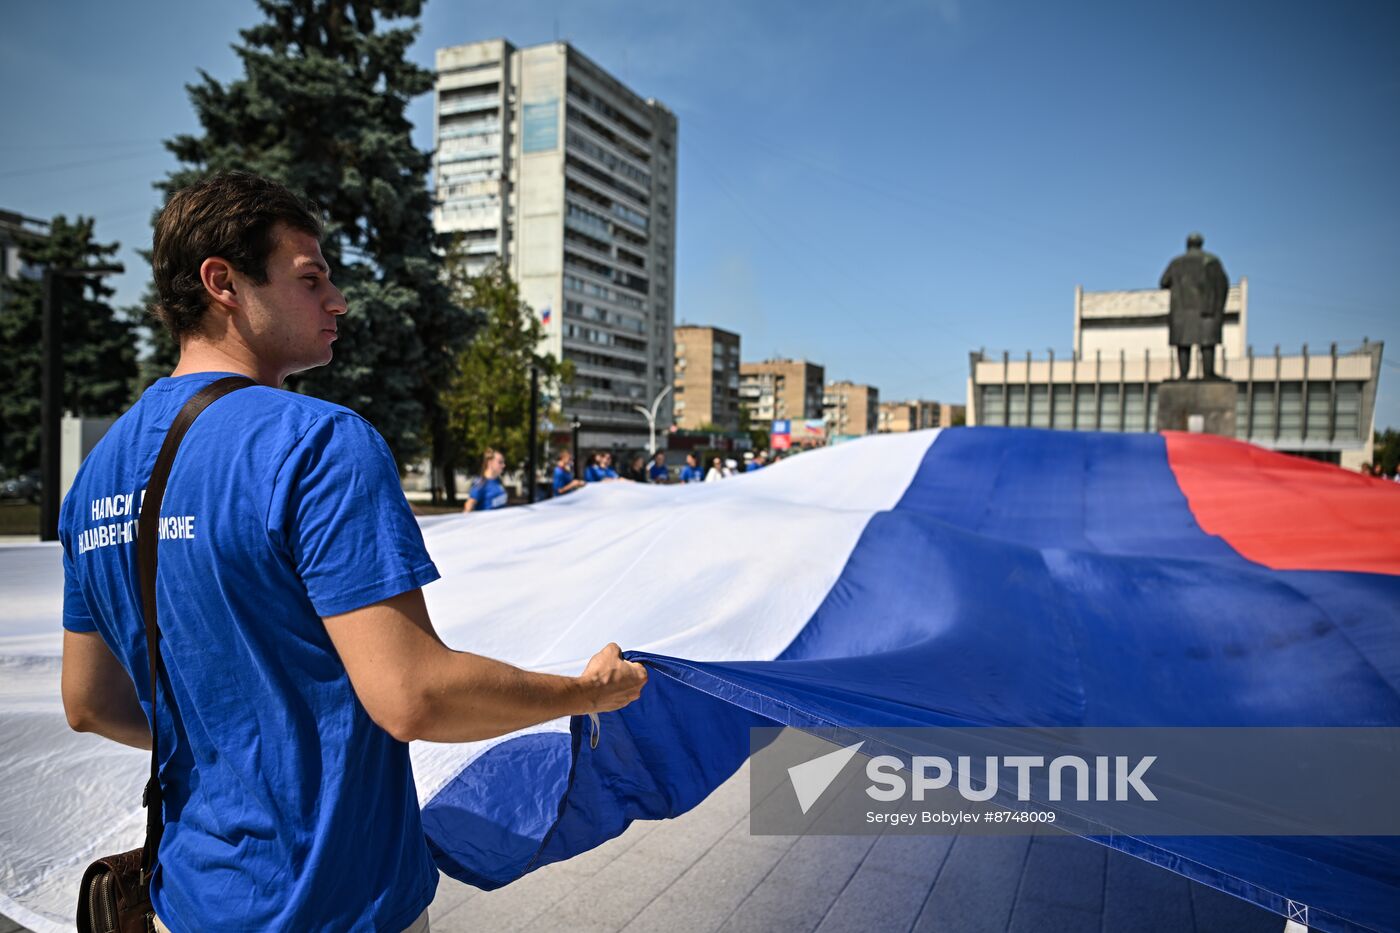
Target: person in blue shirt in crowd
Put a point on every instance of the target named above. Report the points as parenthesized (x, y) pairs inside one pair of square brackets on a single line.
[(601, 469), (759, 461), (657, 472), (691, 472), (564, 481), (298, 659), (488, 493)]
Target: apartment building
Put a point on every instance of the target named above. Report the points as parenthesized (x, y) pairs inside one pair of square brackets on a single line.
[(707, 377), (851, 409), (918, 414), (781, 389), (553, 166)]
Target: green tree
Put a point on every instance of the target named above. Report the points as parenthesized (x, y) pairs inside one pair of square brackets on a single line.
[(99, 346), (757, 435), (488, 400), (1387, 451), (321, 108)]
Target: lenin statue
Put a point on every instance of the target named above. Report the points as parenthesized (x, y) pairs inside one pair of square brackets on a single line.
[(1198, 284)]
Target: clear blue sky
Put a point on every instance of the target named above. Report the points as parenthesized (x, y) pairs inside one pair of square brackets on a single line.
[(879, 187)]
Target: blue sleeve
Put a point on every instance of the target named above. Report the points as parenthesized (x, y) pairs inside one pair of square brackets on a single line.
[(478, 492), (339, 513), (559, 479), (76, 615)]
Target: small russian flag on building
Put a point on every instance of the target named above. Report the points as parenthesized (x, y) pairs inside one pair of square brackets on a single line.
[(544, 315)]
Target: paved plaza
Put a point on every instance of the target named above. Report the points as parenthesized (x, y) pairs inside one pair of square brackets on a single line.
[(704, 872)]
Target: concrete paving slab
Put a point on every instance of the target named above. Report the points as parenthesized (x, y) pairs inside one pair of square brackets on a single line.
[(1064, 872), (976, 887), (877, 899), (703, 898), (782, 905)]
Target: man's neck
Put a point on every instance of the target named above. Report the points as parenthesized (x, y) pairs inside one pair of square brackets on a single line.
[(201, 356)]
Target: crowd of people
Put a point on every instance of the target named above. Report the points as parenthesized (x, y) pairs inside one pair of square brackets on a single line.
[(487, 491), (1378, 470)]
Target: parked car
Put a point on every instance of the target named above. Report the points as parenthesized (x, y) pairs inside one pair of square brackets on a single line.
[(25, 487)]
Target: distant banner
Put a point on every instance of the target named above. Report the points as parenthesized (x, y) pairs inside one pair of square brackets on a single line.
[(541, 126), (782, 426), (780, 441)]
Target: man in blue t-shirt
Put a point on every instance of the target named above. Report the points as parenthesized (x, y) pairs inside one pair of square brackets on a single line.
[(487, 492), (657, 472), (298, 656), (691, 472), (564, 481)]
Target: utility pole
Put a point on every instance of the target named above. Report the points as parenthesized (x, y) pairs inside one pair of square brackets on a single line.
[(534, 430), (51, 392), (577, 426)]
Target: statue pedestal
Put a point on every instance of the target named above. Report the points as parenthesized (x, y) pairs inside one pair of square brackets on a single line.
[(1212, 403)]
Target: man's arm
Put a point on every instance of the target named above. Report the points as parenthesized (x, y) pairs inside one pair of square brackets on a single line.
[(415, 687), (98, 696)]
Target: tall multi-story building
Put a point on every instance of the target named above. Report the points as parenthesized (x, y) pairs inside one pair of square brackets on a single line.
[(707, 377), (918, 414), (1318, 403), (16, 232), (851, 409), (550, 164), (781, 389)]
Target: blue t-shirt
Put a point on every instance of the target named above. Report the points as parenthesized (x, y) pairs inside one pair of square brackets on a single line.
[(691, 474), (489, 494), (754, 465), (286, 806), (596, 474), (658, 473), (562, 478)]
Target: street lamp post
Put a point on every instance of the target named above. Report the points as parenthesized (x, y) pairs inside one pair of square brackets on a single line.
[(650, 414), (577, 426), (534, 428), (51, 392)]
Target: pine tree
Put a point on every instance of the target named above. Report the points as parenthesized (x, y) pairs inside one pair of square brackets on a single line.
[(488, 399), (321, 108), (99, 346)]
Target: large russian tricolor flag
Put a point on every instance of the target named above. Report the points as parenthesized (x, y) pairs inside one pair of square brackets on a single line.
[(969, 577)]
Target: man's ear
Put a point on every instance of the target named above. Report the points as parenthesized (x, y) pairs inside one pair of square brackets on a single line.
[(218, 275)]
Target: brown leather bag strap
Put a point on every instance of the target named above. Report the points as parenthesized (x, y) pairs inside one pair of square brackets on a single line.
[(147, 540)]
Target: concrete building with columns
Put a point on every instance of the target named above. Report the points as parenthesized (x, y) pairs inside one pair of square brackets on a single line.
[(546, 162), (1313, 401)]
